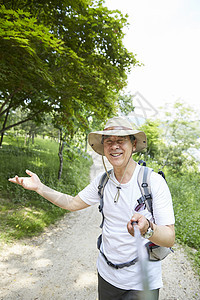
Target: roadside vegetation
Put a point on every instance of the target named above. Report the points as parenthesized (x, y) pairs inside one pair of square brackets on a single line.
[(24, 213), (185, 191)]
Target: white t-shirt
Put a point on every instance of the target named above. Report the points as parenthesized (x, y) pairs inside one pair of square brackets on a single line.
[(117, 244)]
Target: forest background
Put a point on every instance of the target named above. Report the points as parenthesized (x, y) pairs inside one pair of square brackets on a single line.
[(63, 71)]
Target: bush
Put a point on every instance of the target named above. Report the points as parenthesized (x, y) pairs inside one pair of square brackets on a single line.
[(185, 191)]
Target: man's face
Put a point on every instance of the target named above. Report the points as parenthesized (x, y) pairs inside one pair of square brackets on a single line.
[(118, 149)]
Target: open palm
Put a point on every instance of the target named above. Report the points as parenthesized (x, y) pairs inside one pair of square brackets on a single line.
[(30, 183)]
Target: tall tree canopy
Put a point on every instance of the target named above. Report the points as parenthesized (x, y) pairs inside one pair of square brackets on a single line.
[(62, 56)]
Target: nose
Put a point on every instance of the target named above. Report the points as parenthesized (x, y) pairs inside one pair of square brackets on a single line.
[(114, 145)]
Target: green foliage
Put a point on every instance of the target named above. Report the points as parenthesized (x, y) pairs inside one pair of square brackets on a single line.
[(21, 37), (74, 62), (22, 221), (151, 155), (181, 132), (24, 213), (185, 191), (153, 132), (125, 102)]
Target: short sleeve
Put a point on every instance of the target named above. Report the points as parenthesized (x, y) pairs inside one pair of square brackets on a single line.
[(90, 193)]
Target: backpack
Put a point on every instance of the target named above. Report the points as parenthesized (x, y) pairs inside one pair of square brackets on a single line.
[(155, 252)]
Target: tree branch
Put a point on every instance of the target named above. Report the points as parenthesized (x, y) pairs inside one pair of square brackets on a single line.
[(20, 122), (10, 97)]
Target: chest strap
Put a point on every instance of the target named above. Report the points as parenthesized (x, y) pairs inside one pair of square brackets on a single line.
[(119, 266)]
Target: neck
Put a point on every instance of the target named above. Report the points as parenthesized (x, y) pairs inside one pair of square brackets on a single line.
[(125, 177)]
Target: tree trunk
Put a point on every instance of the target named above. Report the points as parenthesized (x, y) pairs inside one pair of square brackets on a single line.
[(59, 136), (62, 143), (86, 142), (3, 127), (1, 140), (33, 138), (60, 154), (25, 140)]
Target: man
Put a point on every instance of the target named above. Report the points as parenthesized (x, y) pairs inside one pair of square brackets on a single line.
[(118, 141)]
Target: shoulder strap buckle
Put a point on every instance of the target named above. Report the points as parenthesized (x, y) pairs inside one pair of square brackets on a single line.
[(145, 188)]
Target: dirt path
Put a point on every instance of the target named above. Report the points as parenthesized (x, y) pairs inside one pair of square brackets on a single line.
[(61, 263)]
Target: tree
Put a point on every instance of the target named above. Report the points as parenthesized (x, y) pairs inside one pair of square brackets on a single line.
[(181, 132), (23, 74), (77, 62), (125, 102), (153, 132)]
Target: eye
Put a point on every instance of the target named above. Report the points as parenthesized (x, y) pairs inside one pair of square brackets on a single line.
[(108, 142), (120, 141)]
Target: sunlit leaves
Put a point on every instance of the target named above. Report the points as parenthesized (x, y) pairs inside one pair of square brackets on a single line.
[(67, 56), (182, 138)]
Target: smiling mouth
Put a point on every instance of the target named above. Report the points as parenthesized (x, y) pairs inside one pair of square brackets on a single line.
[(116, 154)]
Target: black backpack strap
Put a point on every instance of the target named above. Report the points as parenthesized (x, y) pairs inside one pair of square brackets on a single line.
[(119, 266), (102, 183), (142, 162), (143, 180), (162, 174)]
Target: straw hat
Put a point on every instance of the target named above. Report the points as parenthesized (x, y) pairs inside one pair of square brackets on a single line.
[(118, 126)]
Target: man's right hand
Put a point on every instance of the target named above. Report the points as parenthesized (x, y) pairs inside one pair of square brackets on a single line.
[(65, 201), (30, 183)]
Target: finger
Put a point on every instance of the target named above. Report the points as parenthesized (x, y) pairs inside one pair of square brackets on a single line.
[(129, 225), (29, 173), (19, 180), (135, 218), (130, 228), (134, 223), (12, 180)]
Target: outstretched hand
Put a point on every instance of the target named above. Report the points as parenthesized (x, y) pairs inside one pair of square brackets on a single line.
[(30, 183)]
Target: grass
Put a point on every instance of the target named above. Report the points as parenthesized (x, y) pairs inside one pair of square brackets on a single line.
[(185, 193), (24, 213)]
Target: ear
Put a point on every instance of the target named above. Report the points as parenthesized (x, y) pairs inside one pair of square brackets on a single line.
[(134, 145)]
